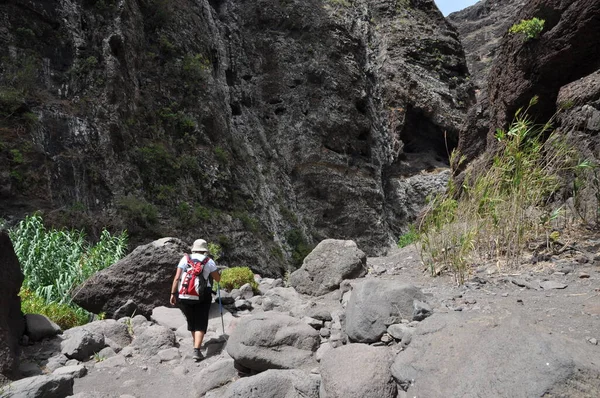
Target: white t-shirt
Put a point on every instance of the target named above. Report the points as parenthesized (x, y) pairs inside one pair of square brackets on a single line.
[(209, 267)]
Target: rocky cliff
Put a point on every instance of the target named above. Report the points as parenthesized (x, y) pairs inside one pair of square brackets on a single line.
[(264, 126), (561, 67), (481, 28)]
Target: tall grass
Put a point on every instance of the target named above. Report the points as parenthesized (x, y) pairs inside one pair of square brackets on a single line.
[(493, 215), (55, 261)]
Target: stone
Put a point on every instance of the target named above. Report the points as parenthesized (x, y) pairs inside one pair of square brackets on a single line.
[(76, 371), (548, 285), (374, 301), (144, 276), (40, 327), (324, 269), (273, 341), (400, 331), (154, 339), (214, 376), (275, 384), (113, 362), (12, 323), (246, 291), (172, 318), (81, 343), (28, 369), (358, 371), (44, 386), (169, 354), (421, 310)]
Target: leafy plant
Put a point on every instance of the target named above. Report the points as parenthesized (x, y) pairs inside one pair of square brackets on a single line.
[(63, 315), (215, 250), (408, 238), (531, 28), (236, 277), (54, 261), (495, 215)]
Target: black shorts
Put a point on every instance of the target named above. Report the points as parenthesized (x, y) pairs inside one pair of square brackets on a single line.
[(197, 314)]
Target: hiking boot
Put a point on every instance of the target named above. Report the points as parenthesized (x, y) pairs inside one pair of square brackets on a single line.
[(197, 355)]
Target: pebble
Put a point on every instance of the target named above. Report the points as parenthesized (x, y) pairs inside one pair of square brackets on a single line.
[(593, 341), (584, 275), (519, 301), (504, 294)]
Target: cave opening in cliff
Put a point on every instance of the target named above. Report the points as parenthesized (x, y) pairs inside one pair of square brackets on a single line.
[(421, 136)]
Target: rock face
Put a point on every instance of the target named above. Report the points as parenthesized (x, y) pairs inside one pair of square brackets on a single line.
[(481, 28), (327, 266), (12, 323), (376, 304), (269, 124), (566, 51), (144, 276)]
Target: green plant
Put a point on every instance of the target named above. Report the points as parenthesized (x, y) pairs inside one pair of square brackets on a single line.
[(215, 250), (98, 357), (54, 261), (494, 214), (236, 277), (408, 238), (531, 28), (195, 67), (138, 210), (300, 247), (221, 155), (63, 315)]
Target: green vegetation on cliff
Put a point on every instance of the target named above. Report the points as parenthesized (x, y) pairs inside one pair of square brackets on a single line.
[(494, 215)]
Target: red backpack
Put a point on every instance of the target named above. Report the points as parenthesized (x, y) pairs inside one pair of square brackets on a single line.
[(193, 284)]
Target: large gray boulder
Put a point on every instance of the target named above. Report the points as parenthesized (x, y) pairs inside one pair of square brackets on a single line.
[(506, 357), (276, 384), (144, 277), (154, 339), (377, 303), (12, 323), (40, 326), (214, 376), (328, 265), (45, 386), (358, 371), (272, 340), (81, 343)]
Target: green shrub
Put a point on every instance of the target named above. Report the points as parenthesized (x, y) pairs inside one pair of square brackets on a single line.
[(408, 238), (300, 247), (138, 211), (65, 316), (236, 277), (498, 212), (215, 250), (54, 261), (530, 27)]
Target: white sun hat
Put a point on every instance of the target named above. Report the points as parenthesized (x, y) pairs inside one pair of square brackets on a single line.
[(200, 245)]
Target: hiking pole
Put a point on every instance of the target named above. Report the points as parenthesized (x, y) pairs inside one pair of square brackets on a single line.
[(220, 307)]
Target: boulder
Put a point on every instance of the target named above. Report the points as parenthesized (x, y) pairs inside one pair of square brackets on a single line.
[(116, 334), (358, 371), (144, 277), (526, 361), (271, 340), (40, 327), (154, 339), (373, 302), (12, 324), (328, 265), (214, 376), (81, 343), (45, 386), (276, 384), (171, 317)]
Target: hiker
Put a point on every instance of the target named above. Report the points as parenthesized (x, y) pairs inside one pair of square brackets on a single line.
[(196, 308)]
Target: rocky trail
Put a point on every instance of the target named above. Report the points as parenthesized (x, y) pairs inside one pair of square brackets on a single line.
[(526, 333)]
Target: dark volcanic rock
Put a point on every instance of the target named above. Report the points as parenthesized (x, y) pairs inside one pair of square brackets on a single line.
[(481, 28), (272, 124), (144, 277), (12, 322), (567, 50)]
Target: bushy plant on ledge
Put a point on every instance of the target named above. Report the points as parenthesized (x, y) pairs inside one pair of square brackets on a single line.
[(236, 277), (531, 28)]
